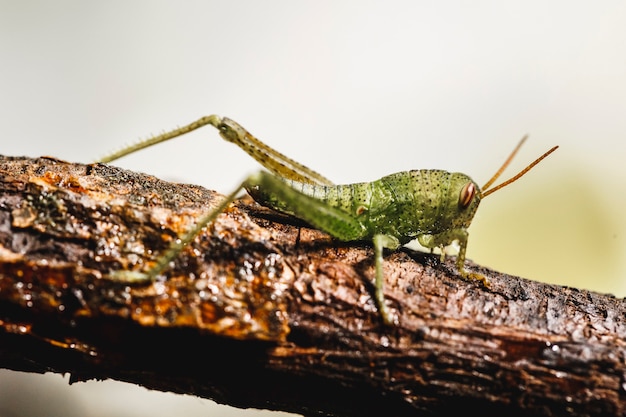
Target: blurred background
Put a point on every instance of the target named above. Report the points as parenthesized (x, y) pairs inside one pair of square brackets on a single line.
[(353, 89)]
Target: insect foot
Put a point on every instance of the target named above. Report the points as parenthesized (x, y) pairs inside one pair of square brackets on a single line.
[(475, 276)]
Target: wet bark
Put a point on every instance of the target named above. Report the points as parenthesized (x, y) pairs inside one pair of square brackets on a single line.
[(261, 311)]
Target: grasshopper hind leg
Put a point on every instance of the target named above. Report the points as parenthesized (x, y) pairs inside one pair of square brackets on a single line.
[(177, 246)]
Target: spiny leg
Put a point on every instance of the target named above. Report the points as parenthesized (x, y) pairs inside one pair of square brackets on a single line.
[(267, 156), (203, 121), (177, 245), (231, 131)]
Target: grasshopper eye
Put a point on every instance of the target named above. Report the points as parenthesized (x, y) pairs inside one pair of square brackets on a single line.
[(467, 194)]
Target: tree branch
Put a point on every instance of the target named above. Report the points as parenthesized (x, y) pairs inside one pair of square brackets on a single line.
[(261, 311)]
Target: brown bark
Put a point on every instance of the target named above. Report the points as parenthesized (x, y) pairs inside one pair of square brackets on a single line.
[(261, 311)]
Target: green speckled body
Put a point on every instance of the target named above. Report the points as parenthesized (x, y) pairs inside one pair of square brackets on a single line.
[(404, 205)]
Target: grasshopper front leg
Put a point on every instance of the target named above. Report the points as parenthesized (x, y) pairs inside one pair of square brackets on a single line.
[(446, 238)]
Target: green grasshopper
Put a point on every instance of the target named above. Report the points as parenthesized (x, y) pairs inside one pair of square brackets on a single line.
[(433, 206)]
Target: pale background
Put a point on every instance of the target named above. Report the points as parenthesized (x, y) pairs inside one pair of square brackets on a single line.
[(354, 89)]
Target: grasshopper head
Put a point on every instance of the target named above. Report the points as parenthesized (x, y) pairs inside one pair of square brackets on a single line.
[(464, 194)]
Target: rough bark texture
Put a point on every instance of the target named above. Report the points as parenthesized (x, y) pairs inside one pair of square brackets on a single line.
[(262, 312)]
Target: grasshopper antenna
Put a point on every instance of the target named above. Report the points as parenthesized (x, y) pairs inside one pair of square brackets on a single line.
[(485, 189)]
